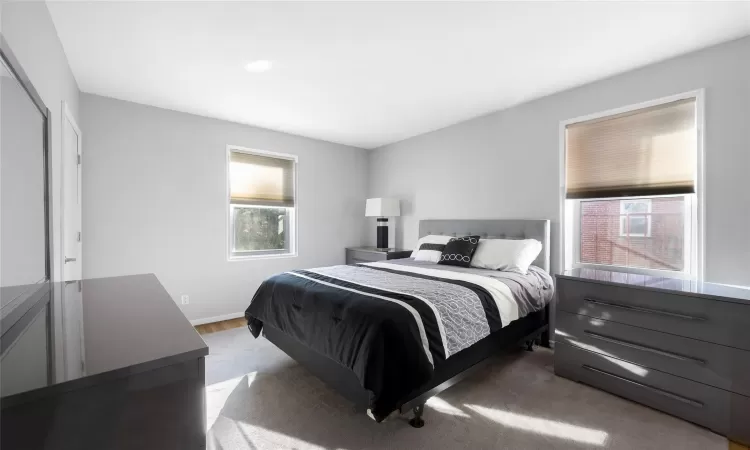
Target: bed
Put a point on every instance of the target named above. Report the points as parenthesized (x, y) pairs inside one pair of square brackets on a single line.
[(389, 335)]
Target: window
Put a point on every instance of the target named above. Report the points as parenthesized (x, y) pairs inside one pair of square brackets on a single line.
[(635, 217), (261, 203), (647, 233), (631, 189)]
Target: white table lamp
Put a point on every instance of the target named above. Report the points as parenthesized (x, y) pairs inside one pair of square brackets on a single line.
[(382, 208)]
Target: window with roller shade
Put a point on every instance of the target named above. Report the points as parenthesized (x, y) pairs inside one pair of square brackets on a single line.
[(261, 203), (631, 180)]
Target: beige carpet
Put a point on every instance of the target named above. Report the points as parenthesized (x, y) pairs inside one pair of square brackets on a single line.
[(258, 398)]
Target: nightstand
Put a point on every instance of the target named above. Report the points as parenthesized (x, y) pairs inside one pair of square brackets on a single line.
[(356, 255)]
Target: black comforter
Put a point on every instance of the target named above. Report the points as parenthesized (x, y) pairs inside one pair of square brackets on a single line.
[(389, 327)]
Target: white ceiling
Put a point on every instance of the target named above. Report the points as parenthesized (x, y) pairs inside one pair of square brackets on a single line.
[(368, 74)]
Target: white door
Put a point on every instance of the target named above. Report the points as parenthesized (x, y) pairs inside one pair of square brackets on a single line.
[(71, 197)]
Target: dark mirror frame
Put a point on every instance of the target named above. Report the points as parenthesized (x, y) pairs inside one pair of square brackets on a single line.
[(24, 299)]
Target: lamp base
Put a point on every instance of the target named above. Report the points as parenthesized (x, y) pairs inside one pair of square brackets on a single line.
[(382, 233)]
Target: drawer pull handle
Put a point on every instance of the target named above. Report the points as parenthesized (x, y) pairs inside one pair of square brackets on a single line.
[(644, 310), (645, 348), (661, 392)]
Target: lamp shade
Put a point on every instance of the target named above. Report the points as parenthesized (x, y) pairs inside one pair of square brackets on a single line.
[(382, 207)]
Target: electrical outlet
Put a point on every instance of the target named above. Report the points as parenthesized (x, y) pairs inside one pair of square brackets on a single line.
[(185, 299)]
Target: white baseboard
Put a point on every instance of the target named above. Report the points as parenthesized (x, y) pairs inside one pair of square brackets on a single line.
[(217, 318)]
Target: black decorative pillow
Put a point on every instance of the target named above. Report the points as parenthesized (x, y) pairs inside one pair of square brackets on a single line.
[(458, 251)]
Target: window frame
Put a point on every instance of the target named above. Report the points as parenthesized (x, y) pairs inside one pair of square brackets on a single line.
[(292, 211), (569, 210)]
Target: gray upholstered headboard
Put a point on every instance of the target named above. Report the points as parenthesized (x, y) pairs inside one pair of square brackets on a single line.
[(500, 228)]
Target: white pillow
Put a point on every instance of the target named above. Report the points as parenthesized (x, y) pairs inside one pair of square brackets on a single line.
[(512, 255), (426, 254)]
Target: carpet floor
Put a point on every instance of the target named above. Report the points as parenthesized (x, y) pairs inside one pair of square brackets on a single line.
[(259, 398)]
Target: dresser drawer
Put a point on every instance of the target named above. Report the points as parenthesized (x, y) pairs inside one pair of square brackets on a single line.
[(699, 318), (359, 256), (716, 365), (695, 402)]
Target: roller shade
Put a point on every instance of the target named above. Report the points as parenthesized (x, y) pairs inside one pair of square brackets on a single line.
[(650, 151), (261, 180)]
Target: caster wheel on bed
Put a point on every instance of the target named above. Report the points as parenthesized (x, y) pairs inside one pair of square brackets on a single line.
[(530, 346), (417, 421)]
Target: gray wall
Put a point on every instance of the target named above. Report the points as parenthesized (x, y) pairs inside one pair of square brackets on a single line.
[(31, 34), (506, 164), (155, 201)]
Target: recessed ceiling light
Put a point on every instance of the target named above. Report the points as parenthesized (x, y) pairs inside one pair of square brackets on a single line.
[(258, 66)]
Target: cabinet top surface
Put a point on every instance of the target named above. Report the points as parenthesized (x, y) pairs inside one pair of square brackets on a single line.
[(378, 250), (86, 328), (682, 286)]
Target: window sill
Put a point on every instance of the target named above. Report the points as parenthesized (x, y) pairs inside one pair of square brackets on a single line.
[(637, 271), (258, 257)]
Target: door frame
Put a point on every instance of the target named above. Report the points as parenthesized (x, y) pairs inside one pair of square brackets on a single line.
[(68, 115)]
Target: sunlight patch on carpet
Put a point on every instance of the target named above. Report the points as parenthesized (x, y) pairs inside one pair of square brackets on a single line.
[(441, 406), (274, 439), (546, 427), (217, 395)]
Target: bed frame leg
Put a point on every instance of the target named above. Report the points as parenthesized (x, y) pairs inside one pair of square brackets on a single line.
[(545, 339), (417, 421), (530, 345)]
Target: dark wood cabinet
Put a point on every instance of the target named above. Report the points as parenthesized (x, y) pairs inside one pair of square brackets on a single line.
[(357, 255), (124, 370), (679, 346)]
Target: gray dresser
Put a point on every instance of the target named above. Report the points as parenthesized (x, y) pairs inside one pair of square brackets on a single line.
[(357, 255), (679, 346), (105, 363)]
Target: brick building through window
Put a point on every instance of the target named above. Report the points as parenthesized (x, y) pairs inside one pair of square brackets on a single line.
[(646, 233)]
